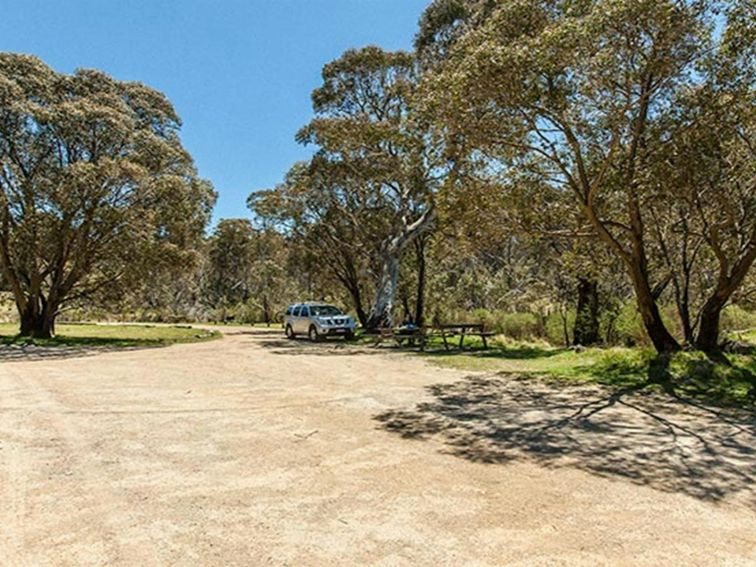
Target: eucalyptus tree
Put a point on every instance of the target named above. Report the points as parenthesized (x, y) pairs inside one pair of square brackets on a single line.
[(703, 216), (566, 93), (94, 181), (370, 143), (331, 224), (366, 195), (230, 260), (271, 287), (441, 25)]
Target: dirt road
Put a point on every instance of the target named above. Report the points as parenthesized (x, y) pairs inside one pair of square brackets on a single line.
[(252, 450)]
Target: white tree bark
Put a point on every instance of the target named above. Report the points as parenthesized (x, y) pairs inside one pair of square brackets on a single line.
[(382, 310)]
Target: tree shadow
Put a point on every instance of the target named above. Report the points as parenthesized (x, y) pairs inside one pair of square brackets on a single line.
[(504, 353), (329, 347), (252, 332), (31, 352), (630, 433), (714, 380), (63, 346)]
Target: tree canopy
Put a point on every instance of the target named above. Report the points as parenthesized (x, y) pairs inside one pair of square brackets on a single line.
[(584, 168), (576, 102), (94, 183)]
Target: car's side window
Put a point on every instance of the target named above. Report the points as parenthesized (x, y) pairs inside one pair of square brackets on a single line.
[(297, 309), (289, 309), (305, 311)]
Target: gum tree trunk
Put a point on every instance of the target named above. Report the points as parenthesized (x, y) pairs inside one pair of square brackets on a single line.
[(352, 285), (37, 320), (354, 291), (420, 299), (661, 338), (728, 282), (381, 314), (708, 331)]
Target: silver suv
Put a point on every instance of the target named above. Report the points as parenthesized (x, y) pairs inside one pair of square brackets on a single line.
[(317, 321)]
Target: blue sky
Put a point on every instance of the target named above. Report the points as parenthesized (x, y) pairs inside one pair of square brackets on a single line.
[(239, 72)]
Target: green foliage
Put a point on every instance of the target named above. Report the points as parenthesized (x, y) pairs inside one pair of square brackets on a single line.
[(519, 326), (735, 318), (244, 313), (96, 190), (528, 144), (749, 336), (628, 326), (731, 383), (623, 120), (484, 317), (555, 327), (7, 307), (248, 273), (230, 258)]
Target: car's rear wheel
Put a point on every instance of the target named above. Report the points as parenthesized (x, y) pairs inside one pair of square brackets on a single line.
[(290, 332), (313, 334)]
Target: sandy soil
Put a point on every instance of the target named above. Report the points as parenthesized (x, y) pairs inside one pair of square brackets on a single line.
[(252, 450)]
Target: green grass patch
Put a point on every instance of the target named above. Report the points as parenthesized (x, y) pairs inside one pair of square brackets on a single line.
[(525, 359), (111, 335), (748, 336)]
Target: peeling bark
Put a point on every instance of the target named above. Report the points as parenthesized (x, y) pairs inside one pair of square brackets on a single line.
[(381, 313)]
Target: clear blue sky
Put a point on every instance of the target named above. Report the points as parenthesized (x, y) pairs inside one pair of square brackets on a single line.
[(239, 72)]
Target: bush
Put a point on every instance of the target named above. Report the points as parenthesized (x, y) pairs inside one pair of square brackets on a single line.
[(735, 318), (555, 328), (628, 326), (519, 326), (486, 318), (621, 367), (733, 383)]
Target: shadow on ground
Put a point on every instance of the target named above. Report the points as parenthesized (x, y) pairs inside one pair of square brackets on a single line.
[(252, 332), (30, 352), (498, 352), (328, 347), (647, 438)]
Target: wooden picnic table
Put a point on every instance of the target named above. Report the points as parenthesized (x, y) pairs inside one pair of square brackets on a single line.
[(412, 335), (400, 335), (447, 330)]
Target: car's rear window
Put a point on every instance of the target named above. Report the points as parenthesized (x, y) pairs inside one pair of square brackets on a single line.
[(321, 310)]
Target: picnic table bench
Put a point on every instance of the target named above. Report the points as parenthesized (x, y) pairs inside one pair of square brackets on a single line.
[(462, 330), (399, 336), (446, 331)]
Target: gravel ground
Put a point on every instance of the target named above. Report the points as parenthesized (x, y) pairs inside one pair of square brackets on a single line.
[(252, 450)]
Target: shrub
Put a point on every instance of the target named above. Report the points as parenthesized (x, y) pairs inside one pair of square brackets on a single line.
[(486, 318), (735, 318), (555, 328), (519, 326), (628, 326)]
